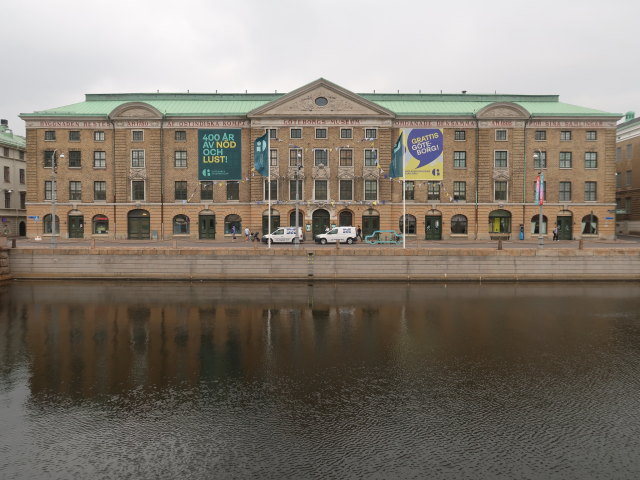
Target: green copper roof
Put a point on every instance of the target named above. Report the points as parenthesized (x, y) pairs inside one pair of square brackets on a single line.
[(199, 104), (8, 139)]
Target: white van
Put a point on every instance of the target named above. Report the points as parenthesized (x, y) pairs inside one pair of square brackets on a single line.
[(337, 234), (283, 235)]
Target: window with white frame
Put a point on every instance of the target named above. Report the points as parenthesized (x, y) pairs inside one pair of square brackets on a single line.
[(500, 158), (433, 190), (591, 160), (501, 135), (50, 135), (180, 190), (500, 191), (48, 190), (460, 159), (295, 157), (99, 190), (137, 190), (273, 133), (296, 133), (460, 135), (233, 190), (320, 157), (592, 135), (370, 189), (99, 159), (370, 133), (565, 160), (590, 191), (565, 135), (564, 192), (180, 158), (346, 157), (459, 190), (539, 159), (180, 136), (320, 191), (75, 158), (295, 190), (370, 157), (137, 158), (274, 189), (75, 190), (321, 133), (137, 135), (346, 133), (273, 157), (409, 190), (74, 135), (98, 136)]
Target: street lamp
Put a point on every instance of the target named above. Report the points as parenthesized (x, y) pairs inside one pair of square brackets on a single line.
[(538, 156), (54, 195), (296, 239), (10, 192)]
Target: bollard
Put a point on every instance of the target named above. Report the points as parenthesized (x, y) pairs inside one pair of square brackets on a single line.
[(93, 243), (499, 244), (337, 243), (13, 243), (580, 245)]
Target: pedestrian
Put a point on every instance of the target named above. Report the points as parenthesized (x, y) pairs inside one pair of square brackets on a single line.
[(233, 233), (359, 233), (247, 234), (555, 233)]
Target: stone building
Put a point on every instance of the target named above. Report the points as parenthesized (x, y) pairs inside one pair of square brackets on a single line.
[(182, 165), (628, 176), (13, 185)]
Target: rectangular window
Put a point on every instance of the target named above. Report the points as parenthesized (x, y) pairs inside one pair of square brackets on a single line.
[(75, 159), (321, 133), (501, 135), (370, 133), (98, 136), (99, 159), (22, 176), (295, 157), (460, 135), (346, 189), (274, 190), (296, 133), (48, 158), (74, 135), (180, 190), (75, 190), (99, 190), (346, 157), (591, 160), (7, 174), (500, 158), (370, 157), (206, 190), (500, 190), (320, 157), (409, 190), (565, 192), (320, 191), (629, 151), (50, 135), (628, 177), (233, 190), (618, 179), (273, 157), (273, 133), (6, 152), (618, 154), (433, 190), (137, 190), (459, 191), (539, 159), (137, 135), (459, 159), (565, 159), (137, 158), (565, 135), (370, 189), (21, 155), (346, 133), (590, 191), (295, 189), (592, 135), (627, 206), (541, 134), (7, 199), (180, 158), (23, 200), (48, 190), (180, 136)]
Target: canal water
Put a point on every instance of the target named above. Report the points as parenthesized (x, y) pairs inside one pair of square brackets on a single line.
[(347, 380)]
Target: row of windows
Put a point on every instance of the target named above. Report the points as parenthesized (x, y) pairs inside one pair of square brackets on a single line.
[(565, 159), (628, 152), (7, 199), (628, 178), (565, 135), (7, 175), (6, 151), (320, 190)]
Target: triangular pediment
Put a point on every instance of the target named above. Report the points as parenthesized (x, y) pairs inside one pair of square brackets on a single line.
[(503, 110), (321, 98)]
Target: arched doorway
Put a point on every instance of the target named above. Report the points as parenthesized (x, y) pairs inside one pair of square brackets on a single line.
[(500, 223), (565, 225), (22, 229), (535, 220), (207, 225), (292, 218), (320, 221), (370, 222), (433, 226), (410, 228), (345, 219), (590, 225), (138, 225), (275, 221), (75, 224)]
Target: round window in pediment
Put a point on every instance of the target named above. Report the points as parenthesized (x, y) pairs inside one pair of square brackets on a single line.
[(321, 101)]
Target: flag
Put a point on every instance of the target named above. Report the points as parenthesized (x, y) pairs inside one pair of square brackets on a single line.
[(261, 155), (537, 190), (541, 196), (396, 169)]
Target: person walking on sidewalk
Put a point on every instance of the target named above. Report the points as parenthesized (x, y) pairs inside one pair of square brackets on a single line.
[(359, 233), (233, 233), (555, 233), (247, 234)]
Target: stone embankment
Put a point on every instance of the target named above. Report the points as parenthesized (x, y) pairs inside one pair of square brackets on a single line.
[(363, 264)]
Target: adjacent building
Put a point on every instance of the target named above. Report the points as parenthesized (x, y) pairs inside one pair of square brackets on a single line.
[(628, 176), (136, 166), (13, 184)]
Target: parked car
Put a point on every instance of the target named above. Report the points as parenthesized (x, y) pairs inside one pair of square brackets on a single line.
[(283, 235), (337, 234)]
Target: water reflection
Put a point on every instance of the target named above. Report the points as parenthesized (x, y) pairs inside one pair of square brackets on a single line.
[(325, 381)]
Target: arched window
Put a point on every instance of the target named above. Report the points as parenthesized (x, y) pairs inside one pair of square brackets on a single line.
[(180, 225), (46, 224), (589, 225), (231, 221), (292, 218), (411, 225), (500, 221), (275, 221), (459, 224), (345, 218), (534, 224), (100, 224)]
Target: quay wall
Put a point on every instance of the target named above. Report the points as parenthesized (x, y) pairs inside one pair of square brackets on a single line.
[(411, 264)]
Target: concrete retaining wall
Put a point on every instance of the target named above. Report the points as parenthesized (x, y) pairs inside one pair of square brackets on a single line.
[(339, 264)]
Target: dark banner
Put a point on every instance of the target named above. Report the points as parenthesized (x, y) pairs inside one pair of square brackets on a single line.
[(219, 154)]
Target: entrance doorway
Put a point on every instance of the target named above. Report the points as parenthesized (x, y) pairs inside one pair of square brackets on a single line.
[(320, 221), (565, 227), (370, 222), (433, 227), (139, 225), (207, 226), (76, 226)]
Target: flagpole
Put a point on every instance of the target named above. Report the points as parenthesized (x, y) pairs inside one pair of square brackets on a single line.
[(404, 202), (269, 183)]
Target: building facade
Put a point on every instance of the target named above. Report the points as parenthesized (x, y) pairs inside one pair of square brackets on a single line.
[(628, 176), (182, 165), (13, 186)]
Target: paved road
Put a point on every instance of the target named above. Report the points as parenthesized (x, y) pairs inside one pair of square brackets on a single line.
[(621, 242)]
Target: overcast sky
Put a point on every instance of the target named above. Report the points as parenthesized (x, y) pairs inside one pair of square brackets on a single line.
[(54, 52)]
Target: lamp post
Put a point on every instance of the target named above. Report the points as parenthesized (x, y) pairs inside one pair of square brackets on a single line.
[(54, 195), (537, 156), (296, 239)]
